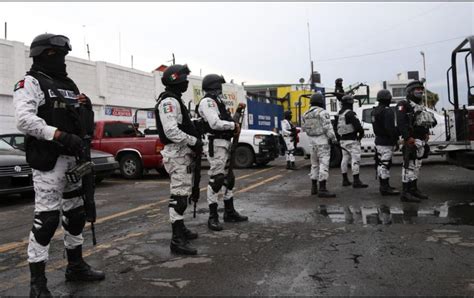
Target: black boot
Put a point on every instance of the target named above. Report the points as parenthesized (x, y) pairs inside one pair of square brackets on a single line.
[(188, 234), (179, 244), (358, 183), (292, 166), (385, 189), (288, 165), (78, 270), (230, 214), (38, 282), (213, 222), (406, 195), (345, 180), (416, 192), (314, 187), (323, 192), (392, 188)]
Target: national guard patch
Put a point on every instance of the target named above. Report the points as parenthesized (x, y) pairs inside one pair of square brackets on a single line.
[(401, 108), (19, 85), (168, 107), (211, 104)]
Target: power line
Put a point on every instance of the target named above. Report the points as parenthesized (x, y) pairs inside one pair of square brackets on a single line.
[(388, 51)]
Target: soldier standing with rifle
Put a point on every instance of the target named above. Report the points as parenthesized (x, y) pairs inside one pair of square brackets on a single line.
[(182, 142), (414, 123), (288, 130), (52, 113), (219, 128)]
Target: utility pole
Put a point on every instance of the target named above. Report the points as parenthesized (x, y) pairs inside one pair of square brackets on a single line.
[(132, 61), (313, 86), (5, 30), (424, 71)]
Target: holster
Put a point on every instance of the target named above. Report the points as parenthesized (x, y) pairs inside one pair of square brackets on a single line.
[(211, 145), (41, 154)]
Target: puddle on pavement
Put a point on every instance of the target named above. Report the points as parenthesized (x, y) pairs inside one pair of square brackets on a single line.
[(456, 213)]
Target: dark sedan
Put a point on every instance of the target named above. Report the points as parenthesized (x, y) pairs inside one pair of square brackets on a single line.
[(105, 163), (15, 173)]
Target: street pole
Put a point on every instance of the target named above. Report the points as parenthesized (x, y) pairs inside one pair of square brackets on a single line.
[(424, 71)]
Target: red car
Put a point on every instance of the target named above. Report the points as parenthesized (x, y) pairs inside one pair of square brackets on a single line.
[(134, 152)]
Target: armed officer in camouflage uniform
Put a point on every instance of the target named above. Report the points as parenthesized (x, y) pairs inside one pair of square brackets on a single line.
[(50, 111), (386, 140), (317, 125), (181, 139), (414, 123), (350, 132), (219, 128), (288, 131), (338, 89)]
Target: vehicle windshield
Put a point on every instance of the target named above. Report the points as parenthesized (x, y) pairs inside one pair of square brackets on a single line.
[(5, 146)]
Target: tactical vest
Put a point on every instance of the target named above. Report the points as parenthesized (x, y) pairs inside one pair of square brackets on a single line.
[(378, 115), (223, 115), (342, 127), (313, 122), (186, 126), (63, 113)]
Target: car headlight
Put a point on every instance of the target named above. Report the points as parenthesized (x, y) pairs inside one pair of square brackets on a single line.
[(110, 159), (257, 139)]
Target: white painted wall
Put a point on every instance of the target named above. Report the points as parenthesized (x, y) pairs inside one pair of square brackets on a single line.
[(107, 85)]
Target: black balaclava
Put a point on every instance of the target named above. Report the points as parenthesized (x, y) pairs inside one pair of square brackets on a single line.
[(214, 93), (53, 65), (416, 96), (349, 106), (178, 89)]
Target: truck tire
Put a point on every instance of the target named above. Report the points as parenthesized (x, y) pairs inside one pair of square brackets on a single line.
[(131, 166), (336, 157), (244, 157)]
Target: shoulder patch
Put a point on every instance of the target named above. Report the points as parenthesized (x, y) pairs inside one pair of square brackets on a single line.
[(401, 108), (168, 107), (211, 103), (19, 85)]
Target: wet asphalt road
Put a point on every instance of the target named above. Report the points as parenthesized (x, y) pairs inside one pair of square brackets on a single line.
[(294, 244)]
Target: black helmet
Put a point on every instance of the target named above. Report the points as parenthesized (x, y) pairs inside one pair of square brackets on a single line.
[(212, 82), (49, 41), (175, 74), (347, 100), (384, 96), (410, 91), (317, 99), (338, 80), (287, 115)]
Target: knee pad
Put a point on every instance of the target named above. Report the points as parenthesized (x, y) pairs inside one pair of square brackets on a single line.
[(386, 163), (74, 220), (44, 226), (179, 204), (216, 182)]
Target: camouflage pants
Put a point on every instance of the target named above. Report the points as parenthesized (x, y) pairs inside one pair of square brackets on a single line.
[(177, 159), (218, 165), (413, 170), (49, 187), (352, 155), (290, 149), (385, 154), (320, 155)]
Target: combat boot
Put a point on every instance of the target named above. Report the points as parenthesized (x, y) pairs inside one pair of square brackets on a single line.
[(345, 180), (78, 270), (292, 166), (406, 195), (314, 187), (385, 189), (288, 165), (392, 188), (358, 183), (416, 192), (38, 287), (179, 243), (188, 234), (230, 214), (213, 222), (323, 192)]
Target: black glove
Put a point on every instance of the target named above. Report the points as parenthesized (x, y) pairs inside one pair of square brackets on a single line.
[(197, 147), (71, 142)]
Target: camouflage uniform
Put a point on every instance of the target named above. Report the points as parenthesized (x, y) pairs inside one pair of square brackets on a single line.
[(177, 156), (385, 158), (290, 145), (50, 185)]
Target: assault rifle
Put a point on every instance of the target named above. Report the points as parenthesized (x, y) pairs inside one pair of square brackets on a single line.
[(196, 168), (238, 118)]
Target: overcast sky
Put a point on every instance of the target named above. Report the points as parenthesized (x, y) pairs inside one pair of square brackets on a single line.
[(257, 42)]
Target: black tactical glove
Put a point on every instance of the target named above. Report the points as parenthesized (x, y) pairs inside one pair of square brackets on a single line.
[(71, 142), (197, 147)]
